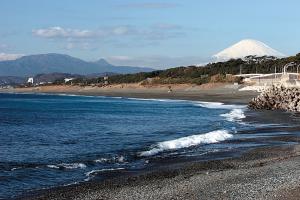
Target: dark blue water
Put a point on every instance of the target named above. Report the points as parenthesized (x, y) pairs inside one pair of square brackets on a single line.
[(53, 140)]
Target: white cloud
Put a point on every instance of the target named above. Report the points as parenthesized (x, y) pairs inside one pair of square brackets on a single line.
[(5, 56), (59, 32), (125, 35), (157, 62), (166, 26), (162, 30)]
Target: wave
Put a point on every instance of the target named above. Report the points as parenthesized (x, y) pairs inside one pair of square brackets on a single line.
[(218, 105), (184, 142), (114, 159), (67, 166), (93, 173), (97, 171), (160, 100), (15, 168), (234, 115)]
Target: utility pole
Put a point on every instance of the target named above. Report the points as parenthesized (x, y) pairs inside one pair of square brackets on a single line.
[(298, 71), (240, 69), (275, 73)]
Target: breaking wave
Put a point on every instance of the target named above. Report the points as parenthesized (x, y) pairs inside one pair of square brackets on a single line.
[(184, 142), (114, 159), (234, 115), (218, 105), (97, 171), (67, 166)]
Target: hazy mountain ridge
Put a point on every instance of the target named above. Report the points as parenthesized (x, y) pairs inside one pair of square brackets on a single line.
[(11, 80), (60, 63)]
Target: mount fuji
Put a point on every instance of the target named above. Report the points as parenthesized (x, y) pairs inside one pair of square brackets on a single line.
[(246, 48)]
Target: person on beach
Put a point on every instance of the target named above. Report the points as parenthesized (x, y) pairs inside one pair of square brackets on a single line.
[(170, 89)]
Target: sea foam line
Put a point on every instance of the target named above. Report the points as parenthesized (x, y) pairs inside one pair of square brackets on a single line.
[(235, 115), (93, 172), (67, 166), (159, 100), (184, 142), (218, 105)]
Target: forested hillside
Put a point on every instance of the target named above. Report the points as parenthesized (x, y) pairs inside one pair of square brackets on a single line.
[(212, 72)]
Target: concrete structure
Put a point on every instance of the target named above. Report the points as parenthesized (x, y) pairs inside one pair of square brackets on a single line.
[(68, 79), (284, 78)]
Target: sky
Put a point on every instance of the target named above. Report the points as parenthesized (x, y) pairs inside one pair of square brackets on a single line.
[(151, 33)]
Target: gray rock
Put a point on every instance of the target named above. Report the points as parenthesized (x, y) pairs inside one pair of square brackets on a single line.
[(280, 98)]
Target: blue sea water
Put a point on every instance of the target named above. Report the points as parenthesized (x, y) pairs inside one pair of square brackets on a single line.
[(54, 140)]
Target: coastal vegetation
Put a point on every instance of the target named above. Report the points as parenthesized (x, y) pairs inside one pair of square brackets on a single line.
[(212, 72)]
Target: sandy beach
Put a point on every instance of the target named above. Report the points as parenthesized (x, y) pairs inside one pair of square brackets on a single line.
[(262, 173), (226, 93)]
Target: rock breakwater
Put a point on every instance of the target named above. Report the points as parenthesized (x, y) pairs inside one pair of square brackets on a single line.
[(277, 98)]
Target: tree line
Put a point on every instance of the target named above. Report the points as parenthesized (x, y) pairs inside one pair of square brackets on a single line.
[(219, 71)]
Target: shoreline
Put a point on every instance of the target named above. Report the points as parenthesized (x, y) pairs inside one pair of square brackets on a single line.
[(214, 93), (261, 173), (252, 175)]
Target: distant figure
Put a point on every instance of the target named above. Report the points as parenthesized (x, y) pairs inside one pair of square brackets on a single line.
[(170, 89)]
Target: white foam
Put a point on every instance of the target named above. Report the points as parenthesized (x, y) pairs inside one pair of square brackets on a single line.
[(68, 166), (184, 142), (15, 168), (93, 172), (73, 165), (53, 166), (234, 115), (118, 159), (101, 160), (218, 105), (160, 100)]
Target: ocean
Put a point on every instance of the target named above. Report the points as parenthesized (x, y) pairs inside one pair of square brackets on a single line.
[(54, 140)]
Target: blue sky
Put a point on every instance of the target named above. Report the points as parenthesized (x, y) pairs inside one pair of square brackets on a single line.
[(153, 33)]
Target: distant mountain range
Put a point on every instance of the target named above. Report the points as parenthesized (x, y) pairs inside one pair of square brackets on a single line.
[(39, 78), (49, 63)]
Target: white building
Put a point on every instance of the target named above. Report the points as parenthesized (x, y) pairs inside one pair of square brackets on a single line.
[(105, 78), (68, 79), (30, 80)]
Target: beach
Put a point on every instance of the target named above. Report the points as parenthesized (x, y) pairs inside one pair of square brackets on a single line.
[(217, 92), (260, 173), (265, 173)]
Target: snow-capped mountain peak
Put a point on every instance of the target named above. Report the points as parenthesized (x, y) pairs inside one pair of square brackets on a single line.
[(245, 48)]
